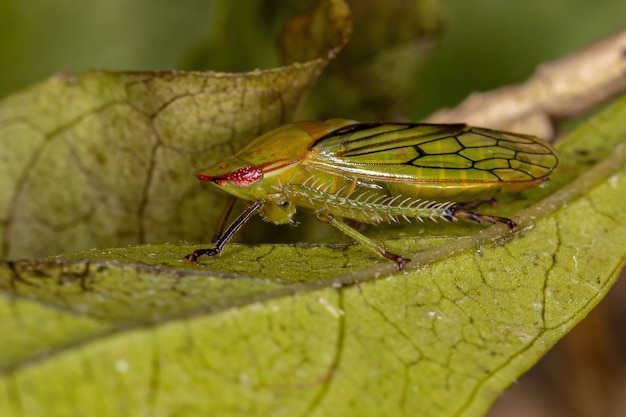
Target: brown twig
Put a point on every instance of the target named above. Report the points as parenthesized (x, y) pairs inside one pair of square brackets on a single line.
[(558, 90)]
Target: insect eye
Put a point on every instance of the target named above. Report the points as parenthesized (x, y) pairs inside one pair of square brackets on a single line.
[(245, 176)]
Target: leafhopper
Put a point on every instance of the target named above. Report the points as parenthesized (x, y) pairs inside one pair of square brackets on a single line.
[(377, 173)]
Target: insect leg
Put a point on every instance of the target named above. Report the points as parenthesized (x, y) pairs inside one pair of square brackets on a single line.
[(227, 235), (221, 223), (459, 211), (363, 240)]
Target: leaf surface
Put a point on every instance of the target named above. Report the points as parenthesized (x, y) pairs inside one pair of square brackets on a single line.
[(325, 337), (105, 158)]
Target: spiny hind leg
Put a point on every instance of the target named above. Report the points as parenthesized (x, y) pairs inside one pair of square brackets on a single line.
[(463, 211)]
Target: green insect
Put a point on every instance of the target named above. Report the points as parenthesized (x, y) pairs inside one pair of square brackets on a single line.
[(377, 173)]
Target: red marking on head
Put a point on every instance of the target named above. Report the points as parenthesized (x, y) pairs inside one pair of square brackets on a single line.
[(245, 176), (241, 177), (209, 178)]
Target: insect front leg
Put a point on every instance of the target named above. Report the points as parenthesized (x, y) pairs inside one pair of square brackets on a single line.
[(225, 237), (221, 223), (363, 240)]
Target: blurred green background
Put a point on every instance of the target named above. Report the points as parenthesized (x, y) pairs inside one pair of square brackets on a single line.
[(468, 46), (478, 45)]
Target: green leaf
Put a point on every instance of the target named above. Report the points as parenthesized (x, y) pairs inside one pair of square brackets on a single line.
[(105, 158), (267, 329), (446, 338)]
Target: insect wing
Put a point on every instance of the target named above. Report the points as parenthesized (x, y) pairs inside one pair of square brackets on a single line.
[(435, 161)]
